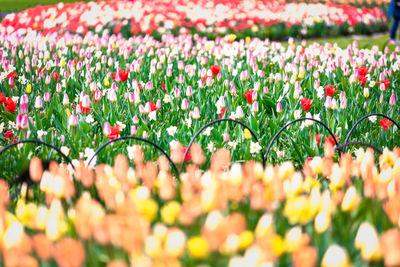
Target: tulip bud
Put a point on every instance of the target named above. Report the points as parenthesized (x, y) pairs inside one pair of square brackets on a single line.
[(149, 86), (24, 108), (366, 92), (58, 88), (254, 107), (196, 113), (106, 129), (177, 93), (367, 241), (184, 105), (73, 120), (392, 100), (112, 95), (225, 136), (65, 100), (335, 256), (145, 135), (189, 91), (158, 104), (279, 107), (133, 130), (38, 102), (381, 98), (85, 101), (239, 112), (24, 122), (135, 119), (350, 199), (98, 95)]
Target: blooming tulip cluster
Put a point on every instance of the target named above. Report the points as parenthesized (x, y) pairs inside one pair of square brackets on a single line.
[(78, 92), (328, 213), (216, 17)]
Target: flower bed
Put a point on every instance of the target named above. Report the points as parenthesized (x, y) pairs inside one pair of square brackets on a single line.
[(77, 93), (211, 18), (328, 214)]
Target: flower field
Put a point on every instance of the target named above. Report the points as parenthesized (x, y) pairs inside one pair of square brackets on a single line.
[(263, 19), (179, 135)]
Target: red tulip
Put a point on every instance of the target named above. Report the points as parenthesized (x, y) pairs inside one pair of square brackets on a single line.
[(2, 98), (385, 82), (114, 132), (123, 75), (306, 103), (330, 90), (223, 111), (8, 135), (55, 75), (249, 96), (215, 69), (362, 71), (10, 105), (362, 79), (331, 140), (188, 156), (153, 106), (385, 123)]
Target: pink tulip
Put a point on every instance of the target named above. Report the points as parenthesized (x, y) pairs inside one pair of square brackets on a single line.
[(86, 101), (392, 100), (58, 88), (24, 122), (131, 97), (196, 113), (98, 95), (158, 104), (133, 130), (24, 108), (279, 107), (135, 119), (225, 136), (106, 129), (65, 100), (254, 107), (73, 120), (189, 91), (38, 102), (184, 105)]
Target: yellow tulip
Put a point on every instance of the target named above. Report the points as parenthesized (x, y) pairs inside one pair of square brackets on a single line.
[(322, 221), (350, 199), (148, 208), (335, 256), (247, 134), (152, 246), (265, 225), (232, 37), (293, 239), (245, 239), (29, 88), (278, 245), (198, 247), (106, 82), (367, 241), (170, 212), (301, 74), (13, 234), (62, 62)]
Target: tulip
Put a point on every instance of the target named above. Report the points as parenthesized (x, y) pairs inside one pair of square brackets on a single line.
[(158, 104), (350, 199), (38, 102), (106, 129), (392, 100), (335, 256), (135, 119), (145, 135), (73, 120), (184, 105), (58, 88), (279, 107), (254, 107), (98, 95), (239, 112), (328, 102), (24, 108), (177, 93), (367, 241), (112, 95), (85, 101), (65, 100), (196, 113), (149, 86), (322, 222), (133, 130), (189, 91), (225, 136)]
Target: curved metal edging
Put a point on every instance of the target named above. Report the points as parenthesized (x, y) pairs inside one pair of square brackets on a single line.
[(359, 143), (134, 138), (209, 124), (290, 123), (35, 141), (363, 118)]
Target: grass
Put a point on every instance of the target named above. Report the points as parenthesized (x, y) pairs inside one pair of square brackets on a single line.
[(363, 41), (18, 5)]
